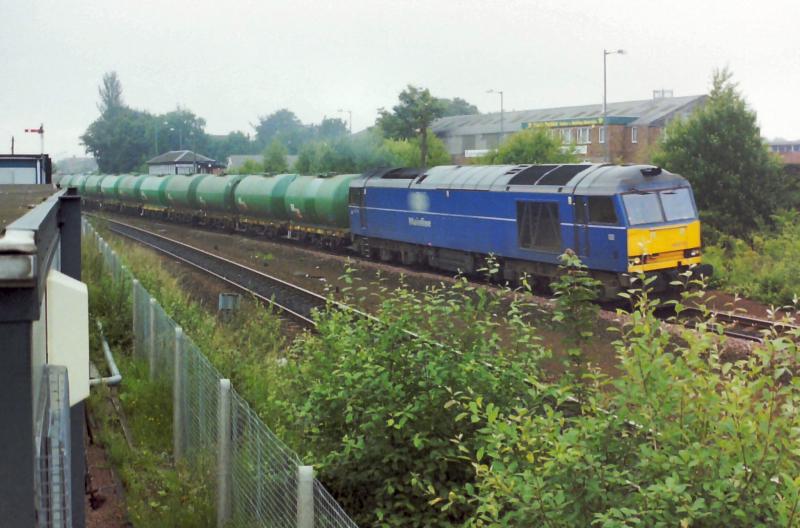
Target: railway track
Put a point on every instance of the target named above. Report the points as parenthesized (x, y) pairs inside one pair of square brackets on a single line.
[(298, 303), (741, 326), (293, 301)]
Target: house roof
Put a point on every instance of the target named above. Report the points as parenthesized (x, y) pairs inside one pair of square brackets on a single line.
[(179, 156), (648, 112)]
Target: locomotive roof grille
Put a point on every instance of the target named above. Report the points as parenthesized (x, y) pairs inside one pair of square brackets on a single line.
[(562, 175), (530, 175)]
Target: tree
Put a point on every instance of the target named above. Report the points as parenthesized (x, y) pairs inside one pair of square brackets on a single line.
[(220, 147), (737, 183), (331, 128), (286, 127), (110, 93), (275, 158), (411, 117), (406, 152), (457, 106), (532, 145), (183, 130), (119, 140)]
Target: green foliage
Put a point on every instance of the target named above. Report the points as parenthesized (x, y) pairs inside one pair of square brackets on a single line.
[(737, 183), (456, 107), (110, 93), (411, 117), (119, 140), (284, 126), (765, 268), (407, 152), (384, 418), (681, 438), (251, 167), (345, 155), (157, 493), (575, 310), (220, 147), (532, 145), (275, 158)]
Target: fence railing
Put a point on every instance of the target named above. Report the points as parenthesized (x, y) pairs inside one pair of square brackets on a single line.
[(52, 482), (259, 480)]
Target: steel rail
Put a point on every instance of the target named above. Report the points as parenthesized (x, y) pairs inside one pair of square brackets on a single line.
[(296, 302), (742, 321)]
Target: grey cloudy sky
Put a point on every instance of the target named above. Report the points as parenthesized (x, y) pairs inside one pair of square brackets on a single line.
[(232, 60)]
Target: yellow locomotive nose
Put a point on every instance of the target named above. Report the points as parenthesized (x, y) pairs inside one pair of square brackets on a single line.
[(665, 246)]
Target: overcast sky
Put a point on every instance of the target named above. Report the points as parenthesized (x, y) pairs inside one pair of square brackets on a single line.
[(230, 61)]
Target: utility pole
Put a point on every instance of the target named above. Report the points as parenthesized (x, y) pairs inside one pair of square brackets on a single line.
[(606, 53), (502, 124)]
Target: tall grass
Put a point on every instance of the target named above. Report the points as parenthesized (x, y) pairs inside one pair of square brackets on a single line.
[(158, 493)]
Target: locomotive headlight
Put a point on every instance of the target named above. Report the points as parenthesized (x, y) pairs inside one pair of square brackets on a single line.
[(635, 261), (692, 252)]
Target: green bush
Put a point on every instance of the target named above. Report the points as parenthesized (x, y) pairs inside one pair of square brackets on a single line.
[(766, 269), (382, 412), (681, 438)]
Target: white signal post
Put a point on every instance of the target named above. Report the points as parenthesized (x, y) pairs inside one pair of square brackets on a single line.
[(39, 131)]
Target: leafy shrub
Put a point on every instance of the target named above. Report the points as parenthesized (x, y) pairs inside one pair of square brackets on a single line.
[(681, 438), (767, 269), (383, 414)]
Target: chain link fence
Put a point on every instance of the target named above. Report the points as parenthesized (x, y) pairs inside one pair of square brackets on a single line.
[(259, 480)]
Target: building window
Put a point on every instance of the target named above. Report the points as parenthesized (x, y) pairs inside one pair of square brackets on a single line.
[(468, 142), (538, 226), (491, 140), (566, 135), (601, 134), (634, 135), (584, 135)]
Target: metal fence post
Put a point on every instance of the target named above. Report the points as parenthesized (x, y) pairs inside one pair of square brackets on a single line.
[(224, 453), (177, 397), (152, 340), (135, 316), (305, 497)]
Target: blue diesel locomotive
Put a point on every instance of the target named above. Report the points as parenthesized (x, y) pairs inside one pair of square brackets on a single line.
[(620, 220)]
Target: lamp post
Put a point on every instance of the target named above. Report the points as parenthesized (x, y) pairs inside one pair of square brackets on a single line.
[(157, 126), (350, 118), (502, 124), (194, 151), (606, 53)]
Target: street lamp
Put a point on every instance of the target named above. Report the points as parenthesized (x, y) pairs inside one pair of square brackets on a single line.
[(194, 151), (502, 131), (350, 121), (157, 126), (606, 53)]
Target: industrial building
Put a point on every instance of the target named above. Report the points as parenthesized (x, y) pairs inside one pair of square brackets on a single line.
[(633, 128)]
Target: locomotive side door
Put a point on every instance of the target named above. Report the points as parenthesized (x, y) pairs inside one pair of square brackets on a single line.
[(362, 208), (581, 226)]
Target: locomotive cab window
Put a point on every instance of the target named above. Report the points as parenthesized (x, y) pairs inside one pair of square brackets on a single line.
[(678, 204), (601, 210), (538, 226), (643, 208)]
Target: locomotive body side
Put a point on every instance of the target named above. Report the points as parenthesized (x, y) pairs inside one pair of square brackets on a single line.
[(526, 216)]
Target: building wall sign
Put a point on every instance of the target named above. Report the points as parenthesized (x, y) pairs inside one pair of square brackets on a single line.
[(593, 121)]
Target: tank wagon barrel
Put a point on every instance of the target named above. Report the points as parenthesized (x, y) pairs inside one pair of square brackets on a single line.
[(263, 196)]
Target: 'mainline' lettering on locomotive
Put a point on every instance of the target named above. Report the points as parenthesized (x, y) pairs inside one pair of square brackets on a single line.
[(418, 222)]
